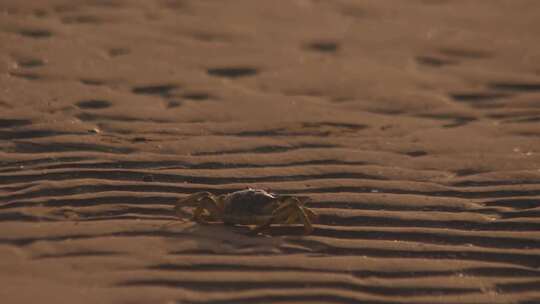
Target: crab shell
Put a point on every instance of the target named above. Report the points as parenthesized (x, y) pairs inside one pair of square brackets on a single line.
[(248, 207)]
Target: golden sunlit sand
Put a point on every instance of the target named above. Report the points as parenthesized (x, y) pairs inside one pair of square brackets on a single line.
[(412, 125)]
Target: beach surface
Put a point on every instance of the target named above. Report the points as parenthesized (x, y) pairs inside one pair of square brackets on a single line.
[(414, 126)]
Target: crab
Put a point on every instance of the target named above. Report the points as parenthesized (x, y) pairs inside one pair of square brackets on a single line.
[(250, 207)]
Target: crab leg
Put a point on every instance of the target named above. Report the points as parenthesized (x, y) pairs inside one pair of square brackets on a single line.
[(313, 217), (279, 215), (195, 197), (209, 204), (190, 201), (300, 213), (205, 201), (308, 228), (288, 213), (265, 225), (292, 219)]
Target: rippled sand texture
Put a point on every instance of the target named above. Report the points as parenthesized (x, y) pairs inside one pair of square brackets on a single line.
[(413, 125)]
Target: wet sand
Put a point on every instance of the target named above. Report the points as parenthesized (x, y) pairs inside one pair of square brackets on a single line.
[(413, 126)]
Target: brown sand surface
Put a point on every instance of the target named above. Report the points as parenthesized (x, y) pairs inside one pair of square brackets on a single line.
[(413, 125)]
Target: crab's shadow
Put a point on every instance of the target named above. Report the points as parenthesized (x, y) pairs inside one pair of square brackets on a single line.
[(241, 230), (217, 238), (248, 231)]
